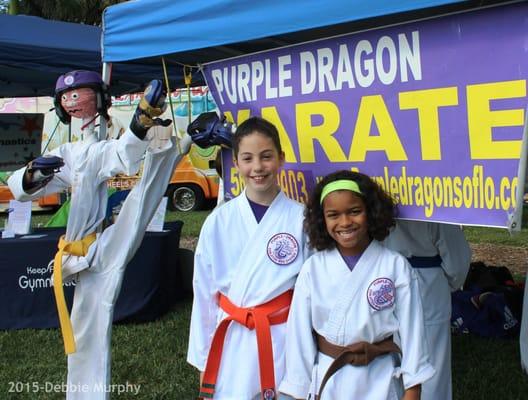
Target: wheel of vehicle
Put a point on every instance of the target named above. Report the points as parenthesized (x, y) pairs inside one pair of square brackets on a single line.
[(187, 197)]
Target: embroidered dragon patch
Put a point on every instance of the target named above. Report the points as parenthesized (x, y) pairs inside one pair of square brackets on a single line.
[(381, 293), (283, 248)]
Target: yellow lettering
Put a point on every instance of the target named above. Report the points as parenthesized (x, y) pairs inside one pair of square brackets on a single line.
[(242, 115), (323, 133), (380, 181), (427, 103), (419, 192), (457, 182), (374, 108), (304, 191), (514, 184), (237, 182), (271, 114), (481, 120)]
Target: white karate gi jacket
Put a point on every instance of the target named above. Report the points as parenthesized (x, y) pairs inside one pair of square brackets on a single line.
[(239, 258), (426, 239), (523, 336), (375, 300)]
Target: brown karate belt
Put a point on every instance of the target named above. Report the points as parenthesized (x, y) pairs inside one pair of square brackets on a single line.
[(260, 318), (358, 354)]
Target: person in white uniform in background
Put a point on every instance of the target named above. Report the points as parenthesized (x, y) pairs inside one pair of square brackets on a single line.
[(440, 255), (523, 335), (248, 255), (96, 259), (356, 304)]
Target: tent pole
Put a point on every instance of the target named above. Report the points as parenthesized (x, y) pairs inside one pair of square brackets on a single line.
[(106, 75), (516, 216), (523, 335)]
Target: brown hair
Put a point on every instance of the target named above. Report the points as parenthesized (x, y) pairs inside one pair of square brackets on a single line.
[(256, 124)]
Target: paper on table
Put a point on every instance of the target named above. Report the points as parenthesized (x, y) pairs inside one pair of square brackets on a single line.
[(157, 221), (33, 236), (19, 219)]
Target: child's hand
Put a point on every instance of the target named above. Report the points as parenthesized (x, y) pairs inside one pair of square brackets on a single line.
[(413, 393)]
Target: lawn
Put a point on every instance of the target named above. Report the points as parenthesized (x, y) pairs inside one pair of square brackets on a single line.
[(152, 355)]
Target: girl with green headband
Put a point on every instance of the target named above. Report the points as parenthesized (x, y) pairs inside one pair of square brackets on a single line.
[(355, 329)]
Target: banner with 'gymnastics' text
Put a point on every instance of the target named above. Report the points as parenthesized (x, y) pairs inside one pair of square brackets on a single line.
[(434, 110)]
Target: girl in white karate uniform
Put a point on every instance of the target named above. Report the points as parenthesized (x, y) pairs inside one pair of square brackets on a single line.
[(248, 256), (355, 329)]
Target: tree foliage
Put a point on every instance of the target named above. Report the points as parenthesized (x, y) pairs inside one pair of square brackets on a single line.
[(81, 11)]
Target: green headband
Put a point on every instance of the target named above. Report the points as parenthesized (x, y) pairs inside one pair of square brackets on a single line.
[(342, 184)]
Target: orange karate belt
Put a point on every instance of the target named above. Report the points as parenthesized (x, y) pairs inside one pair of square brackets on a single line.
[(260, 318), (76, 248)]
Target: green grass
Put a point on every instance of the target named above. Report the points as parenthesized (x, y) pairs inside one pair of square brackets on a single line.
[(153, 355), (496, 236), (499, 236), (192, 221), (487, 369)]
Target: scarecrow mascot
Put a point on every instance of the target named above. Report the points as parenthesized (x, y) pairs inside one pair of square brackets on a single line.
[(94, 257)]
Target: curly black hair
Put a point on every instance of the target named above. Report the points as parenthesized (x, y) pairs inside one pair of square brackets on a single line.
[(381, 210), (256, 124)]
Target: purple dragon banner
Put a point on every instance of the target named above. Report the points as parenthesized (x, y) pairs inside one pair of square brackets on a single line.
[(433, 110)]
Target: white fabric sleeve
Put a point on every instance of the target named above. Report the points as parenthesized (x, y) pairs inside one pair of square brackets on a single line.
[(283, 396), (61, 180), (415, 366), (454, 250), (205, 305), (523, 336), (122, 156), (300, 346)]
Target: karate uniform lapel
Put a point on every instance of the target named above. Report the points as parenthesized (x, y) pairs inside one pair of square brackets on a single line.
[(353, 284), (252, 255)]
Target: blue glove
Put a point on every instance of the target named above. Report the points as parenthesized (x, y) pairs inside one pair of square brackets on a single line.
[(151, 105), (208, 129), (47, 165), (41, 170)]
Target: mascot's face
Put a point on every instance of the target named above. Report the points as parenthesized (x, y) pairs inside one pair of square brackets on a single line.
[(79, 102)]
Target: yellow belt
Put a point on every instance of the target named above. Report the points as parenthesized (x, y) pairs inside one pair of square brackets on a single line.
[(77, 248)]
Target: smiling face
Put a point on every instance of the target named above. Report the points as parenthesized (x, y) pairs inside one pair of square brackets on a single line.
[(79, 102), (258, 162), (345, 216)]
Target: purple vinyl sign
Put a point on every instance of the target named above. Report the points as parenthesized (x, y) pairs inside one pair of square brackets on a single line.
[(433, 110)]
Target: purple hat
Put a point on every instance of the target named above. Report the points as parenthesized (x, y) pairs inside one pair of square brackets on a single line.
[(75, 79)]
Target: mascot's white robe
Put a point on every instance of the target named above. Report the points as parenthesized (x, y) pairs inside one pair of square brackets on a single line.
[(343, 306), (87, 167), (232, 258), (425, 239)]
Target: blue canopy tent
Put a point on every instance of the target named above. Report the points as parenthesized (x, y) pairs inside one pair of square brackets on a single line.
[(192, 32), (35, 51)]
